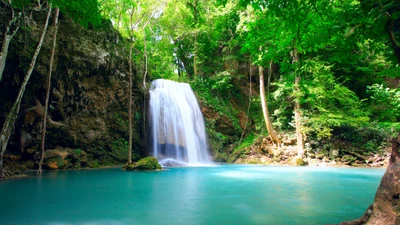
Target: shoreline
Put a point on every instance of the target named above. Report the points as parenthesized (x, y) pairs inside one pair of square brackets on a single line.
[(33, 173)]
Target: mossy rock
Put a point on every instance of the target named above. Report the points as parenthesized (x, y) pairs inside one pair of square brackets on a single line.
[(148, 163), (321, 154), (297, 161), (348, 158)]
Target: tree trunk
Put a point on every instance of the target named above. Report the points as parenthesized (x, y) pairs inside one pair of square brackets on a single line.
[(385, 209), (297, 108), (248, 107), (195, 56), (145, 54), (46, 105), (144, 115), (12, 116), (8, 35), (264, 106), (130, 95), (196, 22), (130, 105), (387, 199)]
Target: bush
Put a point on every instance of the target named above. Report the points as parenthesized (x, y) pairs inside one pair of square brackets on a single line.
[(384, 103)]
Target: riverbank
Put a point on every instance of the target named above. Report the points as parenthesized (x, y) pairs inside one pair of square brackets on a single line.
[(339, 154)]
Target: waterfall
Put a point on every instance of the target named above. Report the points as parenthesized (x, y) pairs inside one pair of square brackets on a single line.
[(177, 125)]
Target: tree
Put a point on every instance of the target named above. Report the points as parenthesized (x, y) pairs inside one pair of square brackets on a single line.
[(297, 108), (9, 32), (46, 106), (264, 105), (384, 210), (130, 90), (12, 116)]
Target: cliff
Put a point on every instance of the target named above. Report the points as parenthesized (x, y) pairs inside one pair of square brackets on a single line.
[(88, 111)]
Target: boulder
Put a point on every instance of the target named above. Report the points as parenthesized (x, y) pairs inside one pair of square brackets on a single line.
[(64, 158), (148, 163), (297, 161)]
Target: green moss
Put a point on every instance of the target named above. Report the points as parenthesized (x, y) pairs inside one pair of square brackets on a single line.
[(78, 151), (93, 164), (300, 162), (148, 163), (216, 94), (119, 149), (246, 142), (348, 158), (254, 161)]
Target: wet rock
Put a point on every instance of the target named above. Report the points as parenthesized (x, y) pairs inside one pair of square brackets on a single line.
[(148, 163), (64, 158), (297, 161), (321, 154), (334, 153), (11, 174), (348, 159), (239, 161)]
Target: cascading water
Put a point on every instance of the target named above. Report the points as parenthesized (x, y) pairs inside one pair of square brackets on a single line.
[(177, 125)]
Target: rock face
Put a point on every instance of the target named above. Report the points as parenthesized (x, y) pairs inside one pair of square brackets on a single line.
[(148, 163), (65, 158), (88, 97), (386, 206)]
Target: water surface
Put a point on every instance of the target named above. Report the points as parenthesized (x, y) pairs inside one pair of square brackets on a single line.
[(227, 194)]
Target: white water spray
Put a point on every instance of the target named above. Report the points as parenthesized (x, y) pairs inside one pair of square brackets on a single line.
[(177, 125)]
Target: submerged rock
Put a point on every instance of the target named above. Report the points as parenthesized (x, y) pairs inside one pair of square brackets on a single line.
[(148, 163), (172, 163)]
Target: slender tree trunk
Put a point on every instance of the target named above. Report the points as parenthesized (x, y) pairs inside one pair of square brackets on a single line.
[(46, 106), (269, 75), (130, 94), (248, 107), (130, 105), (8, 35), (196, 22), (145, 55), (297, 109), (195, 56), (12, 116), (264, 106), (144, 115)]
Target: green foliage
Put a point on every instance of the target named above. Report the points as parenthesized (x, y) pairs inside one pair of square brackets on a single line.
[(119, 149), (327, 102), (213, 92), (93, 164), (217, 141), (85, 12), (281, 102), (121, 121), (78, 151), (246, 142), (384, 103), (222, 82), (372, 137)]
